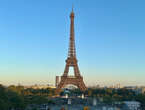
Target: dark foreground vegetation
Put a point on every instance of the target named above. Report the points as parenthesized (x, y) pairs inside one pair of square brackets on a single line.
[(18, 98)]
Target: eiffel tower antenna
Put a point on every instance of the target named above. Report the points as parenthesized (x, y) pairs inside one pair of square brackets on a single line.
[(72, 7)]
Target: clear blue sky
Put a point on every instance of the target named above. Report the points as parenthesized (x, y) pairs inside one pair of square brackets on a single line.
[(110, 40)]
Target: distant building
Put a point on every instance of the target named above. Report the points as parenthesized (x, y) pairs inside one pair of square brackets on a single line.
[(141, 90), (43, 107), (136, 89), (132, 105), (39, 86), (57, 81), (115, 86)]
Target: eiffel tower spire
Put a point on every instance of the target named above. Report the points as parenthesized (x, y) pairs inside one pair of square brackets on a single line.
[(72, 50)]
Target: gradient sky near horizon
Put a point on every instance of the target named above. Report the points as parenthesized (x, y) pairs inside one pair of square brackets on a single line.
[(110, 40)]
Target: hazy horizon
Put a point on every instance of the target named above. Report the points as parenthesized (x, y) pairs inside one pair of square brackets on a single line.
[(110, 41)]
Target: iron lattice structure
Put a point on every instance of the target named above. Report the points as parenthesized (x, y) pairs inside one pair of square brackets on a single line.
[(71, 61)]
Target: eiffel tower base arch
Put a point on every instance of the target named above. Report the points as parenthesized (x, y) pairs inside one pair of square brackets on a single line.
[(66, 80)]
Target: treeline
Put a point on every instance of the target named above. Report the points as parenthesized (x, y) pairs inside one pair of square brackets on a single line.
[(110, 95), (10, 99), (17, 98)]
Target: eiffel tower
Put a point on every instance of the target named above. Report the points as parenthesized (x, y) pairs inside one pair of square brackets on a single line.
[(71, 61)]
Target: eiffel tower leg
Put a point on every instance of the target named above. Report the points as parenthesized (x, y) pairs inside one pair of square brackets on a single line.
[(76, 70), (66, 70), (82, 86)]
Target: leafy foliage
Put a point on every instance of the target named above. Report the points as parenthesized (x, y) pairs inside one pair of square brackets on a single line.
[(18, 97)]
